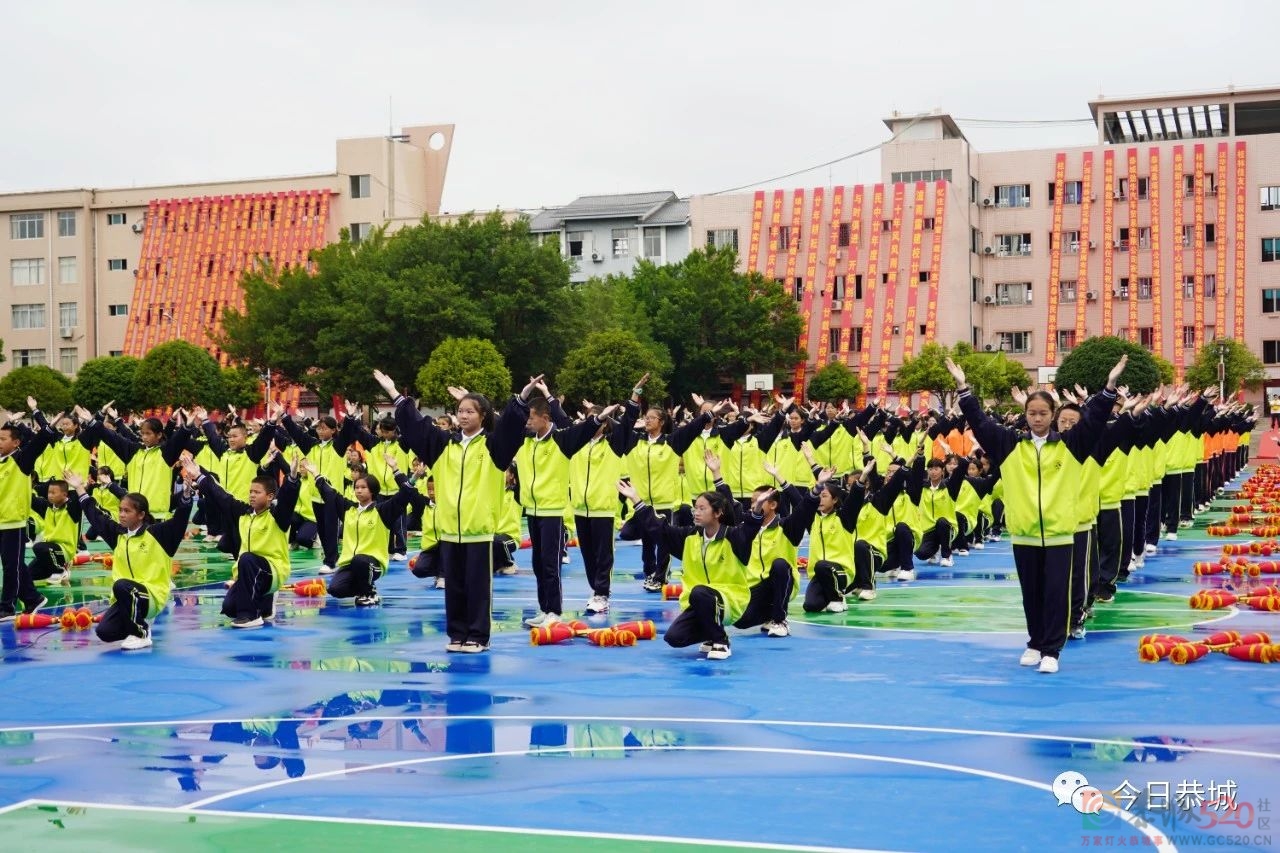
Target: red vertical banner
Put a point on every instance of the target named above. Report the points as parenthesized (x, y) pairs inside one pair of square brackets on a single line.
[(1197, 256), (1220, 248), (829, 279), (913, 271), (753, 241), (1179, 245), (891, 288), (775, 229), (1132, 157), (1157, 259), (870, 280), (1082, 269), (935, 262), (810, 286), (851, 274), (1109, 290), (793, 239), (1238, 285), (1055, 260)]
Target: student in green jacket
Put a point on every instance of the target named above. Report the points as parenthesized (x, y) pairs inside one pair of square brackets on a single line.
[(53, 556), (594, 472), (19, 449)]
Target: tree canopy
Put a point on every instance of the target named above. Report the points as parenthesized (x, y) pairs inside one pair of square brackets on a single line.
[(833, 381), (101, 380), (1089, 364), (470, 363), (179, 374), (51, 389), (241, 387), (606, 366), (990, 375), (1241, 367)]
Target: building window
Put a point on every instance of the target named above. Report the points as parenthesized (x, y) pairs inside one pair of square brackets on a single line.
[(360, 186), (68, 315), (115, 219), (920, 175), (1144, 238), (1210, 286), (1144, 287), (117, 264), (1066, 291), (975, 241), (928, 223), (1066, 339), (115, 353), (26, 226), (834, 339), (842, 234), (360, 231), (1143, 187), (1013, 195), (1188, 287), (28, 315), (28, 357), (576, 239), (653, 242), (1146, 337), (1013, 244), (857, 287), (1188, 235), (1016, 293), (855, 339), (66, 223), (1016, 342), (1269, 197), (1271, 352), (1210, 232), (120, 309), (974, 193), (68, 359), (1270, 249), (622, 238), (784, 238), (975, 288), (837, 287), (886, 226), (1071, 242), (884, 278), (1271, 301), (24, 271), (1072, 191), (727, 238), (1122, 240), (68, 270), (924, 276), (1188, 336), (798, 287), (1121, 291)]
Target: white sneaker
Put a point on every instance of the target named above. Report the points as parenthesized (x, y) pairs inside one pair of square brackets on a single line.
[(978, 545), (1139, 562), (1030, 657), (1185, 524), (398, 556), (1048, 665), (58, 577), (837, 606), (564, 560), (935, 560), (598, 604), (776, 629), (866, 595), (133, 643), (946, 562), (439, 583), (1171, 536), (326, 570), (704, 648), (537, 621), (453, 646), (961, 552), (905, 575), (719, 651), (1151, 550)]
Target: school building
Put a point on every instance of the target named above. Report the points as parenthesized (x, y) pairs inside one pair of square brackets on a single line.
[(95, 272), (1166, 231)]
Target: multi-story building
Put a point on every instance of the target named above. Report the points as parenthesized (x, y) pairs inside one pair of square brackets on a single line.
[(1165, 231), (94, 272), (605, 234)]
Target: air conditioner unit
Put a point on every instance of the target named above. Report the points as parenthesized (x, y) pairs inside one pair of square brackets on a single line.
[(1091, 296), (986, 202), (989, 300), (1116, 244), (137, 227), (839, 254), (837, 304), (1074, 247), (990, 347), (597, 257), (67, 332), (988, 251), (1092, 245)]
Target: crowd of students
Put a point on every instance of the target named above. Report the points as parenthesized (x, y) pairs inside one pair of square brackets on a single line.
[(1084, 485)]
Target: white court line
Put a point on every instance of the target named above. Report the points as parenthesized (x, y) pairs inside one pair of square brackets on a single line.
[(613, 836), (719, 721), (1155, 834)]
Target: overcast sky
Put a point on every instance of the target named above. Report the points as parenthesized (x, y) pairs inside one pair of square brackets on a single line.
[(558, 99)]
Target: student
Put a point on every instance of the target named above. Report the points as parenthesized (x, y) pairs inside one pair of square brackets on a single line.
[(142, 565), (366, 530), (938, 512), (906, 530), (714, 557), (542, 470), (386, 443), (68, 451), (714, 439), (55, 553), (148, 459), (19, 450), (234, 461), (594, 472), (326, 451), (469, 470), (1041, 470), (427, 563), (262, 524)]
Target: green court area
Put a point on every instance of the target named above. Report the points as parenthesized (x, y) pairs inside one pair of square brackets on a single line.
[(48, 827)]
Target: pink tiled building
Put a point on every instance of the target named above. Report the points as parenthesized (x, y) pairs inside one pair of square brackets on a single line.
[(1165, 231)]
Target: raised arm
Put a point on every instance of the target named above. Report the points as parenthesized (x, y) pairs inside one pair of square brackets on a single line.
[(170, 532)]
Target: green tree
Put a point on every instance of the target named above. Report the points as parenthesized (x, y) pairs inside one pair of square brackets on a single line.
[(1241, 367), (101, 380), (925, 371), (1165, 368), (607, 364), (51, 389), (180, 374), (241, 387), (471, 363), (393, 299), (833, 381), (991, 375), (1090, 362), (716, 322)]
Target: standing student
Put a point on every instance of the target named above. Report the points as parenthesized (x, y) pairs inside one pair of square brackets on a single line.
[(19, 450), (469, 472), (714, 557), (1041, 470), (377, 449), (234, 462), (148, 459), (68, 450), (142, 565), (542, 469), (262, 525), (594, 472), (53, 556), (327, 452)]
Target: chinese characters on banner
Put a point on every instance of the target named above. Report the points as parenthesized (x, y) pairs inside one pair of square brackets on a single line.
[(1238, 289), (891, 284), (775, 231), (1055, 259), (870, 280), (913, 271), (810, 284), (1179, 244), (935, 269), (1134, 243), (851, 277), (1082, 272), (1157, 307), (829, 278), (1198, 254), (1220, 248), (1109, 292), (757, 219)]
